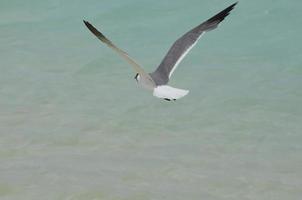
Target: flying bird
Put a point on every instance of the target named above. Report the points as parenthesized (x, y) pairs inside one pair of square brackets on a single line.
[(157, 81)]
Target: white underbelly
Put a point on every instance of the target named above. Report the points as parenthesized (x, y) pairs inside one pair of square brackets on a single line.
[(168, 92)]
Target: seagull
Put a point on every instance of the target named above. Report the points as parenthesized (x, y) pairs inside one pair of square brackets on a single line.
[(157, 81)]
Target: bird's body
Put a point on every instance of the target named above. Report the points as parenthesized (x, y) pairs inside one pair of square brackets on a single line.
[(157, 81), (161, 91)]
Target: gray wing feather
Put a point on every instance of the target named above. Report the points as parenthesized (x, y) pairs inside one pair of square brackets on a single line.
[(180, 47), (122, 53)]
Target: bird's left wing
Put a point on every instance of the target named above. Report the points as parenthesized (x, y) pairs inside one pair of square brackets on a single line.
[(137, 68), (184, 44)]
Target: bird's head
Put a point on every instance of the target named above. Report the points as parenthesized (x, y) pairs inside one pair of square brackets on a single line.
[(136, 77)]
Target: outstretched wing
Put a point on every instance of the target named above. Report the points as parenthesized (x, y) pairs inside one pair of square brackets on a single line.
[(137, 68), (183, 45)]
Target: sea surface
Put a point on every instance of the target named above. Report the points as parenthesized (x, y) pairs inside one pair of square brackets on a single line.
[(74, 124)]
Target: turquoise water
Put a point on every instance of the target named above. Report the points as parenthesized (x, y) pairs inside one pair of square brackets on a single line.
[(75, 125)]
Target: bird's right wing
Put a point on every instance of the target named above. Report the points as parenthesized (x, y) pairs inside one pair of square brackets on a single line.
[(183, 45), (137, 68)]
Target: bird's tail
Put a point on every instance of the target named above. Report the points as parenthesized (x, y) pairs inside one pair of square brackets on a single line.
[(169, 93)]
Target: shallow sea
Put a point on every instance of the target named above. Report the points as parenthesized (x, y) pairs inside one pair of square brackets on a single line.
[(74, 125)]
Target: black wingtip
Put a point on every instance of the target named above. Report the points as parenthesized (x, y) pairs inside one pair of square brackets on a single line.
[(97, 33), (220, 16), (91, 28), (234, 4), (86, 22), (231, 7)]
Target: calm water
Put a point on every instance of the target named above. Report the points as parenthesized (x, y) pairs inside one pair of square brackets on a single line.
[(74, 124)]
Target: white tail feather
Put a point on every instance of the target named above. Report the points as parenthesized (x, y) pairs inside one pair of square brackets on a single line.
[(168, 92)]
